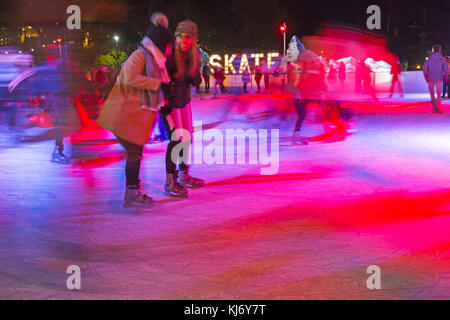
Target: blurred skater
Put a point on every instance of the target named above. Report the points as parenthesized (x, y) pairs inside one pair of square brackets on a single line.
[(446, 80), (434, 71), (342, 74), (219, 81), (206, 73), (245, 80), (258, 77), (396, 69)]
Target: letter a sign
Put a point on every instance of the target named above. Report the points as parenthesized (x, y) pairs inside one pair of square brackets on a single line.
[(74, 20), (374, 21)]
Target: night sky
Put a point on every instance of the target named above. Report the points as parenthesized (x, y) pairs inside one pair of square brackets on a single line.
[(224, 25)]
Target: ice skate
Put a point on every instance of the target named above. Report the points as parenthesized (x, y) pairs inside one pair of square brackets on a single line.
[(135, 198), (298, 140), (58, 156), (172, 188), (186, 180)]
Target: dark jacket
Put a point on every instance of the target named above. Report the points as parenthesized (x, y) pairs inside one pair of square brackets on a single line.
[(206, 72), (178, 92)]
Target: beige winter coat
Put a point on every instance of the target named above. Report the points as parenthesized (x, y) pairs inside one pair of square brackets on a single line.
[(125, 112)]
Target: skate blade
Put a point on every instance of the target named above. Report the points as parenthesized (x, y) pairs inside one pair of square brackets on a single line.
[(177, 196), (193, 186), (138, 206), (60, 161)]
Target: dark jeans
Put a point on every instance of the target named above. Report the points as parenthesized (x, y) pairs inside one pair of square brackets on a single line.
[(206, 80), (171, 166), (57, 106), (301, 112), (10, 116), (133, 165), (445, 88), (258, 78)]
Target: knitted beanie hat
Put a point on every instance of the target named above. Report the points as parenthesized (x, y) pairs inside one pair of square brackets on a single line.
[(160, 36), (188, 27)]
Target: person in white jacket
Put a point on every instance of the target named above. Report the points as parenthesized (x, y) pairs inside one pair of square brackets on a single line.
[(434, 71)]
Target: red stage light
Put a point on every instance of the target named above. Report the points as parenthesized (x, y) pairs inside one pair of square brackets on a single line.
[(283, 28), (59, 40)]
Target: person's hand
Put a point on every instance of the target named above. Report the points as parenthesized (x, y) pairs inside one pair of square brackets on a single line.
[(164, 76), (165, 81), (165, 87)]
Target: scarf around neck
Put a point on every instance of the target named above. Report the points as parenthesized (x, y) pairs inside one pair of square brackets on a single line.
[(158, 56)]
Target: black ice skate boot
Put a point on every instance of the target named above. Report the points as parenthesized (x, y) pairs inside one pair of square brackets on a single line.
[(58, 156), (297, 139), (172, 188), (190, 182), (135, 198)]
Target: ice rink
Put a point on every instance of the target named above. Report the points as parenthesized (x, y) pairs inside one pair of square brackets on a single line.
[(380, 196)]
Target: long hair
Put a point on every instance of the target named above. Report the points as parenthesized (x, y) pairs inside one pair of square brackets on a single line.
[(188, 63)]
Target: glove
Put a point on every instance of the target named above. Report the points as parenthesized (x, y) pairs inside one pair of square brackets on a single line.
[(166, 88), (166, 110)]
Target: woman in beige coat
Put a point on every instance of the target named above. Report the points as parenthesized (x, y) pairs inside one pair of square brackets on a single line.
[(130, 110)]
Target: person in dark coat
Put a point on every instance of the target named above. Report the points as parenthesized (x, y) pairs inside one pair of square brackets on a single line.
[(266, 72), (258, 77), (396, 69), (245, 80), (206, 73)]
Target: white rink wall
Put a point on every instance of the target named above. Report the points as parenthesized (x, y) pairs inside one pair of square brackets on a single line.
[(412, 81)]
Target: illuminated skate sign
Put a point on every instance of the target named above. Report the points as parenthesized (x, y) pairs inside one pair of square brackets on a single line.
[(236, 63)]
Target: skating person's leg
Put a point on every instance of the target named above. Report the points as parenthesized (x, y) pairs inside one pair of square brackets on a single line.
[(54, 105), (58, 155), (222, 88), (431, 86), (133, 164), (133, 196), (206, 84), (444, 87), (216, 83), (392, 88), (438, 98), (186, 179), (300, 106), (400, 88), (10, 113), (258, 83), (173, 125)]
